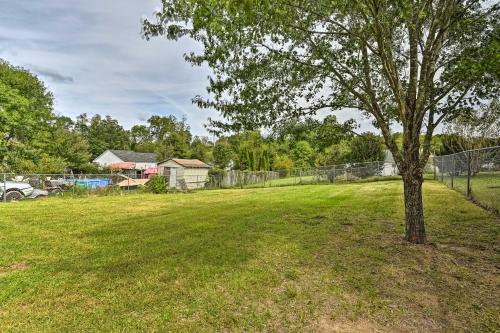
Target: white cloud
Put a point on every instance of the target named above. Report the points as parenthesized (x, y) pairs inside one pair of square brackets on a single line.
[(91, 55)]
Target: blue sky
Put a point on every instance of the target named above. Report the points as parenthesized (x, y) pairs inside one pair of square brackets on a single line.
[(91, 56)]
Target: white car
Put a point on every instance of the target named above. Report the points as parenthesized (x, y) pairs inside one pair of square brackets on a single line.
[(15, 191)]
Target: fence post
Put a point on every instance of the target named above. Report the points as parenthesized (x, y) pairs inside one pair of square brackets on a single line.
[(87, 186), (74, 183), (434, 165), (442, 173), (468, 172), (334, 175), (4, 188), (453, 171)]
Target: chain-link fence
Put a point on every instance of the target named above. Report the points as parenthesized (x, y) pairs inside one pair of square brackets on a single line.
[(14, 186), (322, 175), (475, 173)]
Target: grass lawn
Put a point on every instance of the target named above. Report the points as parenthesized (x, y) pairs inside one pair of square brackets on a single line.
[(307, 180), (306, 258), (485, 187)]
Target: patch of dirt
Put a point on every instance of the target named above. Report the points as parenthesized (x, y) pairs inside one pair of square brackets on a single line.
[(347, 225), (18, 266), (327, 325)]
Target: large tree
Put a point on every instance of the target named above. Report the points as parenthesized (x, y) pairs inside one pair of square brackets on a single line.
[(25, 108), (102, 133), (413, 63)]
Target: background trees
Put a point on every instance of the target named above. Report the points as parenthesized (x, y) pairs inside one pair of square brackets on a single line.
[(222, 153), (34, 139), (366, 148), (473, 131), (102, 133)]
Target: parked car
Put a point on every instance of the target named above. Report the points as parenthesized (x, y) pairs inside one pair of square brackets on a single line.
[(14, 191)]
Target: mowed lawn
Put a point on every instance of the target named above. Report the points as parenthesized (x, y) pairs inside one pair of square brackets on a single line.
[(485, 188), (319, 258)]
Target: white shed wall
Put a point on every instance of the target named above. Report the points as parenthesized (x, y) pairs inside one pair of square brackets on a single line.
[(195, 177)]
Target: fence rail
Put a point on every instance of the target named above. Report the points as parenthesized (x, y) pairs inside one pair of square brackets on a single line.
[(475, 173)]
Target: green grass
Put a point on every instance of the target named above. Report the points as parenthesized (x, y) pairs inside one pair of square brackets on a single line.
[(308, 180), (485, 188), (303, 258)]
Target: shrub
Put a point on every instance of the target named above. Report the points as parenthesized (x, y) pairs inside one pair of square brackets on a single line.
[(216, 172), (282, 164), (158, 184)]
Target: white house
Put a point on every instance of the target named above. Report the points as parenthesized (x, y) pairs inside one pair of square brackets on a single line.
[(130, 162), (390, 168), (181, 172)]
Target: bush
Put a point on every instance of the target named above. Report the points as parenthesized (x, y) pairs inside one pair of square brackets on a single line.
[(335, 154), (216, 172), (158, 184), (366, 147), (283, 164)]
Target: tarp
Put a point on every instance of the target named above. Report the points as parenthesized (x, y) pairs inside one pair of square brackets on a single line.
[(132, 182), (151, 171)]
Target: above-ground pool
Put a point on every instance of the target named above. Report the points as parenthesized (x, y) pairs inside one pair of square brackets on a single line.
[(91, 183)]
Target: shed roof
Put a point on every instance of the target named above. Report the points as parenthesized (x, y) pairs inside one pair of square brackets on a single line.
[(193, 163), (132, 156)]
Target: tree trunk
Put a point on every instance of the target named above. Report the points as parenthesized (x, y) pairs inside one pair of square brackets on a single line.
[(414, 211)]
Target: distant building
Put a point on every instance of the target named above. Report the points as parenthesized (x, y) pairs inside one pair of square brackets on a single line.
[(390, 168), (184, 174), (130, 163)]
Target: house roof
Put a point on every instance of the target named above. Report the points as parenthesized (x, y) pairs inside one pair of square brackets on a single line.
[(189, 163), (123, 166), (388, 156), (132, 156)]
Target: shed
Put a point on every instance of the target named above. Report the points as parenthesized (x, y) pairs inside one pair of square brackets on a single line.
[(193, 173)]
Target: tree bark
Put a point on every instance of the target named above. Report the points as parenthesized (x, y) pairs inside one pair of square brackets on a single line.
[(414, 210)]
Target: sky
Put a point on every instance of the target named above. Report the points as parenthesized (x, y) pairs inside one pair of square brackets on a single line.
[(91, 55)]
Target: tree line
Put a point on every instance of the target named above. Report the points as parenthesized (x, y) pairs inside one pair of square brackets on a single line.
[(33, 138)]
